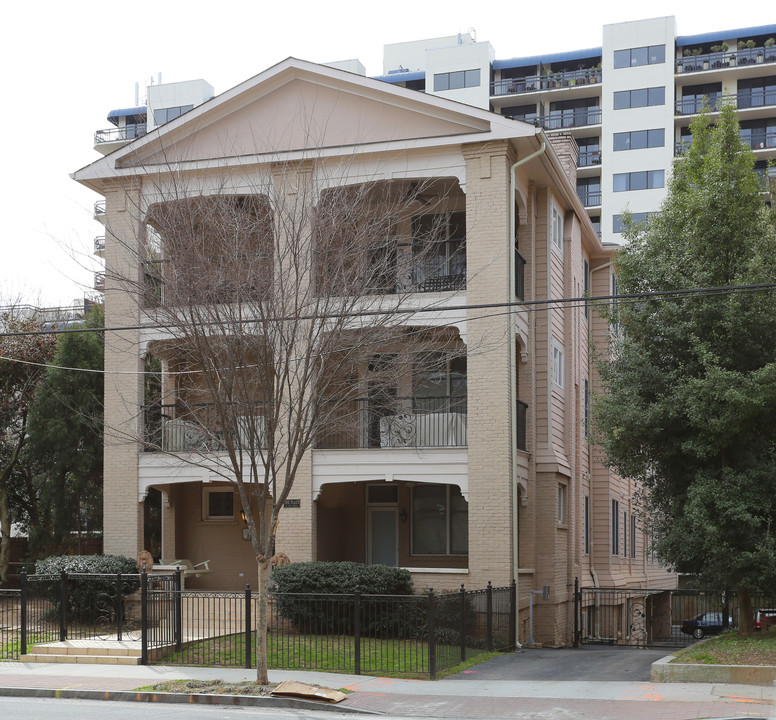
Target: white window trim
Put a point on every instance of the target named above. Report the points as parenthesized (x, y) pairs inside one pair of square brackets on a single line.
[(563, 492), (556, 230), (558, 369), (206, 492)]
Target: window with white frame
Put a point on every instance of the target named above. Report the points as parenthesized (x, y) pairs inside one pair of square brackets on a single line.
[(217, 504), (557, 230), (440, 520), (557, 365), (562, 502)]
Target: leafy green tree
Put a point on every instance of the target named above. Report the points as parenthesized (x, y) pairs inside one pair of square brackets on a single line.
[(59, 487), (688, 406), (23, 360)]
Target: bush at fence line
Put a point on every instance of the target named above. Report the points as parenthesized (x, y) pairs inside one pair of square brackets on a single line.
[(322, 614), (447, 621), (88, 597)]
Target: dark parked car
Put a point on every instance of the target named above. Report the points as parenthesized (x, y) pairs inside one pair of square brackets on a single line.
[(708, 623)]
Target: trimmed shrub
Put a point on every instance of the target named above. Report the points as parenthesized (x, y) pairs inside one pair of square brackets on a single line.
[(310, 595), (91, 586), (342, 577)]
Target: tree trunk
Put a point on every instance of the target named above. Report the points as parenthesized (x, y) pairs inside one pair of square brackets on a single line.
[(262, 617), (5, 533), (745, 612)]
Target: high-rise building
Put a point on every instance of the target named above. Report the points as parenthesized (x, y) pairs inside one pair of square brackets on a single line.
[(628, 102)]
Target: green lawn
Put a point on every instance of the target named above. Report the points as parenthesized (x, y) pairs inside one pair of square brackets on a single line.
[(335, 653), (732, 649)]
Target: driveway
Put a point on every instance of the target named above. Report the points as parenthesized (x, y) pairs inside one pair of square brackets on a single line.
[(591, 662)]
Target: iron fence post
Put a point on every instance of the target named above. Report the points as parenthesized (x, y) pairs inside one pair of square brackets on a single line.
[(462, 629), (23, 613), (513, 614), (576, 612), (178, 609), (248, 644), (489, 616), (63, 606), (143, 618), (118, 607), (431, 635), (357, 630)]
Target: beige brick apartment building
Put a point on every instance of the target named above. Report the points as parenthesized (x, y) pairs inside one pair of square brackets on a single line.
[(492, 477)]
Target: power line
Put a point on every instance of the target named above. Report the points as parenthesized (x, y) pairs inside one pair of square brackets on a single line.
[(520, 305)]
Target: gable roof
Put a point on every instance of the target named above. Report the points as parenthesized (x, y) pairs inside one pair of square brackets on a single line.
[(295, 107)]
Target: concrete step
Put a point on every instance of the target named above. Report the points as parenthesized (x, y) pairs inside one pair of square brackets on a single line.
[(109, 652), (81, 659)]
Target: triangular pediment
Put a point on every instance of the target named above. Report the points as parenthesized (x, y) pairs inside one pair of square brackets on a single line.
[(303, 107)]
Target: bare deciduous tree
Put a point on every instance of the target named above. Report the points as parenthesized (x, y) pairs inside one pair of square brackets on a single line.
[(276, 304)]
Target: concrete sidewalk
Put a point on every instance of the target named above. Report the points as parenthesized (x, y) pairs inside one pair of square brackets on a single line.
[(463, 696)]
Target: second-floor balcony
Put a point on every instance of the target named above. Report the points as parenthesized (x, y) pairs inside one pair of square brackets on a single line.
[(397, 422), (99, 245), (548, 81), (576, 117), (358, 424)]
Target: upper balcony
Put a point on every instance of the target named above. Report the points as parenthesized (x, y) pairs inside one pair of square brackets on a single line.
[(106, 141), (549, 81), (571, 118), (99, 246), (750, 98), (99, 211), (723, 60), (588, 158)]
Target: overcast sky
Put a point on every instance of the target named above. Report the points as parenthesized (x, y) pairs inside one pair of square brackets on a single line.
[(66, 64)]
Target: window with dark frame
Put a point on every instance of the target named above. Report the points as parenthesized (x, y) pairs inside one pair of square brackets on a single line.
[(639, 139), (642, 97), (636, 218), (633, 535), (615, 527), (457, 80), (635, 57), (218, 504), (639, 180), (440, 520), (587, 525)]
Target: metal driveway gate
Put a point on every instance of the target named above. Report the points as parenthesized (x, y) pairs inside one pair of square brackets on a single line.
[(643, 617)]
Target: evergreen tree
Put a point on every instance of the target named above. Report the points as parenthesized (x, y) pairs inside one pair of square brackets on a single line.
[(688, 406)]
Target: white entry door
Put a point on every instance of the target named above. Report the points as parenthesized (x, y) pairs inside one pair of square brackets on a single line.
[(383, 536)]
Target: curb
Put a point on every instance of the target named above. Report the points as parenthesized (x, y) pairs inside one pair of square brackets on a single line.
[(187, 698), (665, 671)]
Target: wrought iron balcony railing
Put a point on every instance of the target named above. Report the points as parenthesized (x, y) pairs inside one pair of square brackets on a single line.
[(396, 422), (196, 427), (749, 98)]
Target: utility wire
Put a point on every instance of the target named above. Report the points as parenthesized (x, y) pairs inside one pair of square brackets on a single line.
[(527, 306), (520, 305)]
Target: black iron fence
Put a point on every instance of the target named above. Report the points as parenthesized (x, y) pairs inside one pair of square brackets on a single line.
[(654, 617), (353, 633), (84, 606)]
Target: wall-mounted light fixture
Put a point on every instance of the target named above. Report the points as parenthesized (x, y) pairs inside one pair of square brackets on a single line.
[(403, 515)]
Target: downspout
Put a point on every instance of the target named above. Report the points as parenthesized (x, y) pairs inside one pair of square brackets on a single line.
[(513, 372)]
